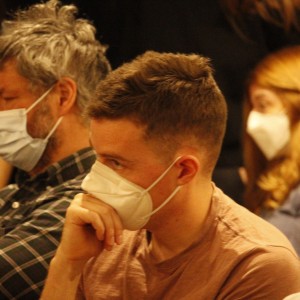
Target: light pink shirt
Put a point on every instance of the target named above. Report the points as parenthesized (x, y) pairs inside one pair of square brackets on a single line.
[(238, 256)]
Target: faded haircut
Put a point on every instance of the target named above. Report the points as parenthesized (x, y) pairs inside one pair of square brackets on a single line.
[(48, 42), (175, 98)]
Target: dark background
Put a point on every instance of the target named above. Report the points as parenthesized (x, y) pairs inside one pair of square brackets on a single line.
[(130, 27)]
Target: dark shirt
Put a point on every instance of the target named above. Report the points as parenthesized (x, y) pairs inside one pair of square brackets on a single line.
[(287, 218), (32, 214)]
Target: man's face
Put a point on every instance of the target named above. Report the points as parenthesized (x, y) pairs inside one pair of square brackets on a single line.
[(15, 93), (119, 144)]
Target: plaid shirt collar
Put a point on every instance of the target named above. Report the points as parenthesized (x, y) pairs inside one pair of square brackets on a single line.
[(58, 173)]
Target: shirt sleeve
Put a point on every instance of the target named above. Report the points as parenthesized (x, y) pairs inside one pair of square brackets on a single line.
[(273, 274), (26, 251)]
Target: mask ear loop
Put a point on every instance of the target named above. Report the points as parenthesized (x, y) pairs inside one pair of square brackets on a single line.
[(155, 182), (39, 99), (162, 175), (164, 203), (54, 128), (36, 103)]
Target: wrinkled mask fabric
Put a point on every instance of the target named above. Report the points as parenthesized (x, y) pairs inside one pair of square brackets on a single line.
[(132, 202), (271, 132), (16, 146)]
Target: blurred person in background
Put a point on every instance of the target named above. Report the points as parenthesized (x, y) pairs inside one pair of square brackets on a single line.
[(271, 141)]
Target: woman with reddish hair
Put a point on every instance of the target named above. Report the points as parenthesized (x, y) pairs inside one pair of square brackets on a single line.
[(271, 141)]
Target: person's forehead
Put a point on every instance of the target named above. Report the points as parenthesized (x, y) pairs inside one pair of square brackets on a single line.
[(262, 94), (115, 135), (10, 77), (9, 65), (114, 125)]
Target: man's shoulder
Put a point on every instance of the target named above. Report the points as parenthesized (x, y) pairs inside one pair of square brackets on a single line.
[(248, 249), (66, 178), (62, 192), (271, 272), (243, 229)]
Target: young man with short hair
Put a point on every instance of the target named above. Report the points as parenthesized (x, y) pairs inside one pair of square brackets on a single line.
[(152, 224)]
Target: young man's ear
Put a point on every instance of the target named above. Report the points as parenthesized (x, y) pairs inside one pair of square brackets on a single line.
[(67, 90), (189, 167)]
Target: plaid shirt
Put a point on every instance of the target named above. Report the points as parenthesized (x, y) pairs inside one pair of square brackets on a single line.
[(31, 220)]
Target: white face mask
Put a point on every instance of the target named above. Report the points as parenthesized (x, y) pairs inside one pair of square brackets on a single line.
[(16, 145), (271, 132), (132, 202)]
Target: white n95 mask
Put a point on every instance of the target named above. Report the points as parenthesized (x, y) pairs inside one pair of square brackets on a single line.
[(16, 145), (271, 132), (132, 202)]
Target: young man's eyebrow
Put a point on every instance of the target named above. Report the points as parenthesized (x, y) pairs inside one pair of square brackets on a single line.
[(111, 156)]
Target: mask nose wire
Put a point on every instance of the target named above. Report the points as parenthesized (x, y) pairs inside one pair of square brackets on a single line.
[(39, 100)]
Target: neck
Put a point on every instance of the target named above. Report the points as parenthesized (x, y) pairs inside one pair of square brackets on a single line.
[(183, 228)]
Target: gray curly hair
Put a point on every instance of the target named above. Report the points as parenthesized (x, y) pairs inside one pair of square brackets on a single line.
[(48, 42)]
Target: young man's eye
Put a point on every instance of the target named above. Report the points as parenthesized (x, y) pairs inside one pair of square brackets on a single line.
[(114, 164), (110, 162)]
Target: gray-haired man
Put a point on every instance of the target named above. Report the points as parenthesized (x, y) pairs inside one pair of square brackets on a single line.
[(50, 63)]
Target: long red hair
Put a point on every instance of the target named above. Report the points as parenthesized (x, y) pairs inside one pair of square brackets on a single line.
[(270, 182)]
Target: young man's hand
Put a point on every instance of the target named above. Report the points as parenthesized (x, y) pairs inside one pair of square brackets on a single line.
[(91, 226)]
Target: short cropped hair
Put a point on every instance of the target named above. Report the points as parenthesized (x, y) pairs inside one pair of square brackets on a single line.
[(174, 96), (48, 43)]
